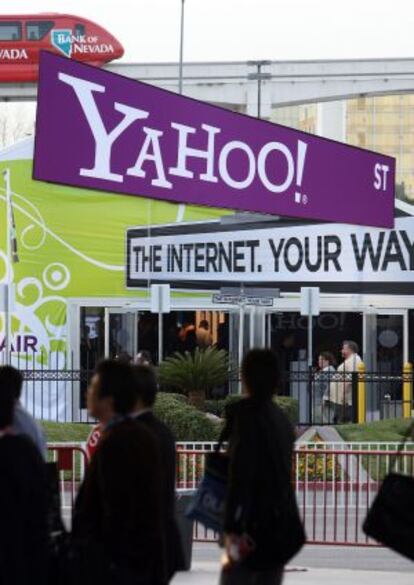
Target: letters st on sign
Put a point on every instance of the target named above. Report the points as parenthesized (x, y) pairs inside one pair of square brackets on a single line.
[(102, 131)]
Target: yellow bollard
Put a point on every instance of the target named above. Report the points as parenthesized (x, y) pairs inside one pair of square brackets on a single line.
[(362, 394), (407, 389)]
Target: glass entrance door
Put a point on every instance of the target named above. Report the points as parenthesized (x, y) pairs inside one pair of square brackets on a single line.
[(385, 341), (121, 332), (385, 351)]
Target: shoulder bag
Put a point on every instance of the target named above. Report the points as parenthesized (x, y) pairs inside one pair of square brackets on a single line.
[(209, 501), (390, 519)]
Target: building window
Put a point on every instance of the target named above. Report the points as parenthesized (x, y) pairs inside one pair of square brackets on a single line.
[(10, 31), (79, 30), (36, 31), (361, 102)]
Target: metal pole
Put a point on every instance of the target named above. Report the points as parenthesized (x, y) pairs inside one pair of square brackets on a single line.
[(310, 353), (9, 283), (310, 341), (241, 341), (180, 74), (160, 337), (310, 330), (259, 91), (181, 206)]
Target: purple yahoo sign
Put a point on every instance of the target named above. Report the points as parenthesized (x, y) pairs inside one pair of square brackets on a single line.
[(102, 131)]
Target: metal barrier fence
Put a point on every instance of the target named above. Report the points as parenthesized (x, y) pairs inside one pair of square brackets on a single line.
[(54, 390), (330, 397), (335, 484), (71, 462)]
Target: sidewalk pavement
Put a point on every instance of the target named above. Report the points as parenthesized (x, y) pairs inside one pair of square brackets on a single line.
[(315, 565), (204, 574)]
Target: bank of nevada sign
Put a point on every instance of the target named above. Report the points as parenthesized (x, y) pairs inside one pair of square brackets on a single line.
[(102, 131)]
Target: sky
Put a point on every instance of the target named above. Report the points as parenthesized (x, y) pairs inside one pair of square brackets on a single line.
[(238, 30)]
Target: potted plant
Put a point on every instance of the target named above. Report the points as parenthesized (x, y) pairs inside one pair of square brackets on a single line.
[(195, 373)]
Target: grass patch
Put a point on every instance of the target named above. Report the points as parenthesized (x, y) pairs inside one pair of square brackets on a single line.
[(390, 430), (65, 432)]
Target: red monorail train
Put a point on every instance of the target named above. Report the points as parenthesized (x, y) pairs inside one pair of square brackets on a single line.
[(22, 37)]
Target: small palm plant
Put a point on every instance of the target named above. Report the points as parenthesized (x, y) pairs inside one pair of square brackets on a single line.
[(195, 373)]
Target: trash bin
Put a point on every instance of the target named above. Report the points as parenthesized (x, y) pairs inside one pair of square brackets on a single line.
[(185, 527)]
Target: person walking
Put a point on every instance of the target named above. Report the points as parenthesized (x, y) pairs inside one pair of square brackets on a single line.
[(23, 422), (23, 498), (339, 401), (262, 529), (146, 389), (117, 532), (322, 380)]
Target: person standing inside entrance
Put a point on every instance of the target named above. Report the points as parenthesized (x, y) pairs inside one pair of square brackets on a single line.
[(340, 392), (322, 380), (204, 337)]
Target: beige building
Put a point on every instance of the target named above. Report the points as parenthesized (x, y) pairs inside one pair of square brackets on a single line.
[(381, 123)]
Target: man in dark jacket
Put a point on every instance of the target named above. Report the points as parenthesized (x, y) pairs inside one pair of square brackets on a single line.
[(23, 517), (146, 391), (262, 526), (117, 527)]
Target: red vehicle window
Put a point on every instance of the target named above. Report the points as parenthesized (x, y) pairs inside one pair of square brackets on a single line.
[(79, 30), (37, 30), (10, 31)]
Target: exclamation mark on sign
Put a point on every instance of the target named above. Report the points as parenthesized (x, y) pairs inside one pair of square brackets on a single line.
[(302, 149)]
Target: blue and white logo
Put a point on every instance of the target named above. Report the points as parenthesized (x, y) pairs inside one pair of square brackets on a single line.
[(62, 40)]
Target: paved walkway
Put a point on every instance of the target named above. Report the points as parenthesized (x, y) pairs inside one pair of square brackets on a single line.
[(316, 565), (204, 575)]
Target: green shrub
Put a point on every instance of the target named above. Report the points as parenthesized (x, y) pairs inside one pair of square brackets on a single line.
[(186, 422), (179, 397), (289, 406), (195, 373), (215, 407)]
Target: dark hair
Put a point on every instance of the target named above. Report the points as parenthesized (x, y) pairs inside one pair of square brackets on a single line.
[(11, 378), (146, 386), (353, 346), (261, 373), (116, 380), (11, 382), (328, 357)]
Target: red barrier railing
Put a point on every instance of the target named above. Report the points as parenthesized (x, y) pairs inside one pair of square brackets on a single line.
[(334, 489), (71, 461)]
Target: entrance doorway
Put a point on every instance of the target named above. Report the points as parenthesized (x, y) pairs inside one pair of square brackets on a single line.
[(288, 337)]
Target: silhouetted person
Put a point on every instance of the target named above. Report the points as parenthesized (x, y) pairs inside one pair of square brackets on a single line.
[(23, 422), (117, 525), (223, 336), (23, 501), (146, 391), (261, 441), (190, 342)]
